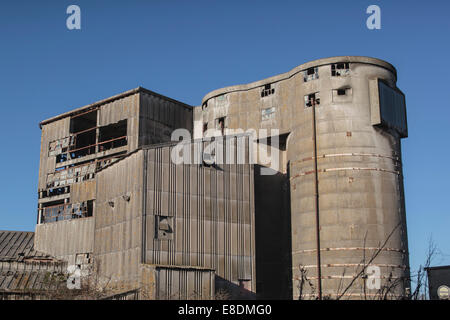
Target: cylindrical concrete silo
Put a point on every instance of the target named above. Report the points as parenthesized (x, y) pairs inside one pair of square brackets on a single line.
[(357, 217), (352, 207)]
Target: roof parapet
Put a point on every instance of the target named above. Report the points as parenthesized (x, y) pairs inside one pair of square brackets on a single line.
[(108, 100)]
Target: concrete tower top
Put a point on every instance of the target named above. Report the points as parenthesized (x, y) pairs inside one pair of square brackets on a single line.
[(302, 67)]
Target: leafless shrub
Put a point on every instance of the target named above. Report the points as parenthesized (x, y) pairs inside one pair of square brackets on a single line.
[(222, 294), (420, 278), (304, 281), (363, 269)]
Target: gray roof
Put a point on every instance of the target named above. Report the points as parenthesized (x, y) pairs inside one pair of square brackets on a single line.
[(22, 267), (14, 245), (111, 99), (17, 281), (18, 246)]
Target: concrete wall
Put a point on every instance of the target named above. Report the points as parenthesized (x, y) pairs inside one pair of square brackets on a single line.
[(359, 168), (360, 189), (118, 217), (210, 210)]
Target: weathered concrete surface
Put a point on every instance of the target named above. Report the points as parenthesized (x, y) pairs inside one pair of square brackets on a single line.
[(211, 210), (359, 168)]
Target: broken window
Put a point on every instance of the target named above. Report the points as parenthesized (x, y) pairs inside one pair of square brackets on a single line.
[(54, 192), (60, 146), (220, 125), (83, 130), (312, 99), (61, 158), (268, 90), (164, 229), (342, 94), (311, 74), (340, 69), (113, 136), (83, 260), (83, 121), (60, 211), (209, 158), (68, 175), (268, 113)]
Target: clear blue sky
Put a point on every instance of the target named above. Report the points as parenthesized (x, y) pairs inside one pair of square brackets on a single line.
[(184, 49)]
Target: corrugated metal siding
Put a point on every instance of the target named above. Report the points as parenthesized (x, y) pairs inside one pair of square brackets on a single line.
[(213, 216), (25, 281), (118, 228), (158, 117), (212, 210), (64, 239), (184, 284), (125, 108), (109, 113), (80, 192)]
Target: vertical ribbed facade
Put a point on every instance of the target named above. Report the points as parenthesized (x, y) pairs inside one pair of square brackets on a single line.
[(209, 210), (357, 216)]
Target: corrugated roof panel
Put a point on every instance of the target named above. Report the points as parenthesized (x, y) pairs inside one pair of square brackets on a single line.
[(18, 246), (19, 262)]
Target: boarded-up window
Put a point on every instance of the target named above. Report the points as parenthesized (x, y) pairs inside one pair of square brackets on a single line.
[(388, 107)]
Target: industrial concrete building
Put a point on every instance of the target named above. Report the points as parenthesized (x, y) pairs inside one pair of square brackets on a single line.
[(330, 205)]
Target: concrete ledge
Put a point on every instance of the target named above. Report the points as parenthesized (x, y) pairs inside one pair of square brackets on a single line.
[(302, 67)]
